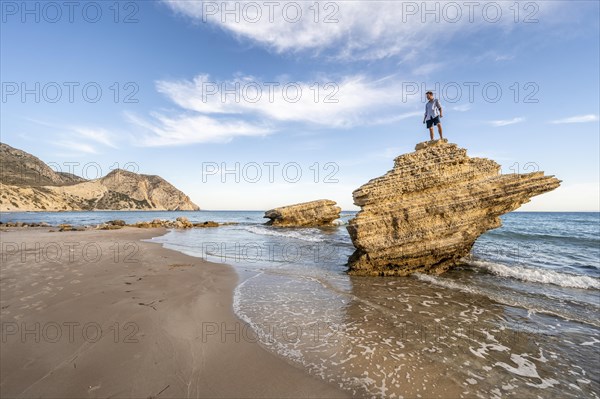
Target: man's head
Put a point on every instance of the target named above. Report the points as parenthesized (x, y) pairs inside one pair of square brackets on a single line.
[(429, 95)]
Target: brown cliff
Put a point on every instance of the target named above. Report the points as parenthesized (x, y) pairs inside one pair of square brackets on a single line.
[(28, 184)]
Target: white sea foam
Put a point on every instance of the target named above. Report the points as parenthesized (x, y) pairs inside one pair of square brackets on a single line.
[(526, 368), (539, 275), (306, 234), (501, 298), (446, 283)]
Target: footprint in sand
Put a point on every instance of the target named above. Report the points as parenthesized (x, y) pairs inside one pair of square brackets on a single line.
[(93, 388), (176, 266)]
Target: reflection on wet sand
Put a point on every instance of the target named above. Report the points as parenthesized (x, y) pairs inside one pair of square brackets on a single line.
[(402, 337), (432, 342)]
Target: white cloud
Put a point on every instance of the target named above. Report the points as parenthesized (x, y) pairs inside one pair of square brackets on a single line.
[(345, 102), (78, 138), (395, 118), (95, 134), (76, 146), (461, 107), (427, 69), (218, 111), (504, 58), (506, 122), (163, 130), (350, 29), (577, 119), (493, 55)]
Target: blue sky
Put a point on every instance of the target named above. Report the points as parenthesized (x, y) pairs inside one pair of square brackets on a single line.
[(376, 59)]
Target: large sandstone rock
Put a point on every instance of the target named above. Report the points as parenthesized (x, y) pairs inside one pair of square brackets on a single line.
[(425, 214), (313, 213)]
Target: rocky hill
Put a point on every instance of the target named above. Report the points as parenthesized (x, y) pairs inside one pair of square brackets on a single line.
[(28, 184), (425, 214), (20, 168)]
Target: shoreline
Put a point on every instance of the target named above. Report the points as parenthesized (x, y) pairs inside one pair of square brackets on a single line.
[(221, 210), (100, 313)]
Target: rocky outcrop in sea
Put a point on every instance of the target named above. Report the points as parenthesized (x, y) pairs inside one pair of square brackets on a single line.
[(314, 213), (425, 214)]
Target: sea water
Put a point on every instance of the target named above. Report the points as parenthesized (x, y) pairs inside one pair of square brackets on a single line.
[(520, 318)]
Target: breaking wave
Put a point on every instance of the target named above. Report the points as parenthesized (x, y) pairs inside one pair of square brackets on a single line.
[(539, 275), (305, 234)]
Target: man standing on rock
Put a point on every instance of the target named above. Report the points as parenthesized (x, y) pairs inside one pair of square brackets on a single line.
[(433, 113)]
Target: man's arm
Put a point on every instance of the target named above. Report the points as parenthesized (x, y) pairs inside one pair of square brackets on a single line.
[(440, 108)]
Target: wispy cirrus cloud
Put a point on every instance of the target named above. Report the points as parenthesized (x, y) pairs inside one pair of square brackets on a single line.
[(76, 146), (332, 102), (98, 135), (163, 130), (428, 68), (495, 56), (350, 30), (395, 118), (506, 122), (576, 119), (77, 138), (218, 111), (461, 107)]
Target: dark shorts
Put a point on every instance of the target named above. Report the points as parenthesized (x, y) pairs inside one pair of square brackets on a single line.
[(433, 122)]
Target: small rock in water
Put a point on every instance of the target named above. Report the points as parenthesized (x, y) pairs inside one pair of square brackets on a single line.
[(207, 224), (313, 213)]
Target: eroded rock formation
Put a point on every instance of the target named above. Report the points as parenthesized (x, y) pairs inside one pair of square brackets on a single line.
[(425, 214), (314, 213)]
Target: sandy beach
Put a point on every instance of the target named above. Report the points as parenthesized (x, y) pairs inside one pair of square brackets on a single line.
[(104, 314)]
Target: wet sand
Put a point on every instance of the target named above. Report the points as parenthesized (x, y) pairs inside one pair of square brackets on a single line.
[(103, 314)]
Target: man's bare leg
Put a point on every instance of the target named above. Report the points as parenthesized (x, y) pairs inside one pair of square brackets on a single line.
[(431, 133), (439, 130)]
